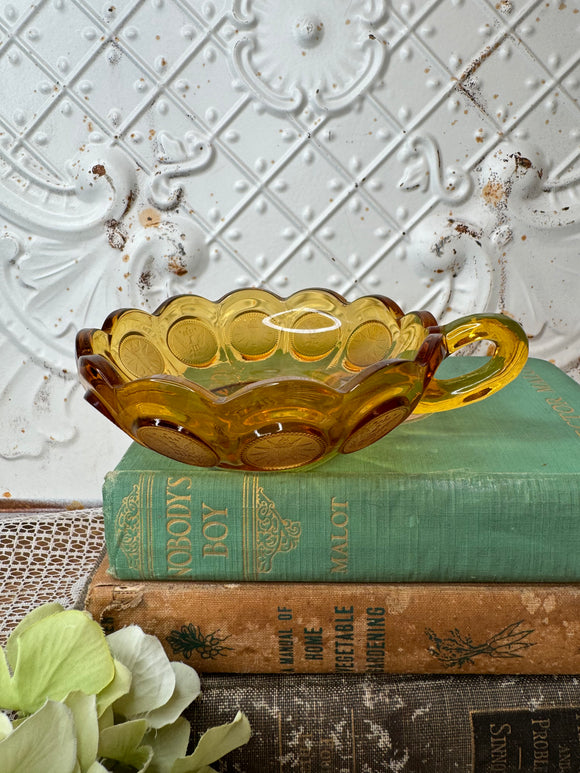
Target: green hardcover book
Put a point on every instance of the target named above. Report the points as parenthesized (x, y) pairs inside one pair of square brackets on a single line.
[(489, 493)]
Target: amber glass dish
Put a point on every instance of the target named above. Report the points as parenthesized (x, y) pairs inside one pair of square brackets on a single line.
[(258, 382)]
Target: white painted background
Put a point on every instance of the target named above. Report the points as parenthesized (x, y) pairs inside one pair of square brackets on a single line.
[(427, 151)]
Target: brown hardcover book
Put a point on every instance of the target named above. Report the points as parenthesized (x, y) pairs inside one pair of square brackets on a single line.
[(256, 627), (368, 723)]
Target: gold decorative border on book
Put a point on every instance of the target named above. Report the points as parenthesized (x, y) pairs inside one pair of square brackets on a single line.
[(133, 523), (248, 566), (265, 532), (128, 527), (147, 547)]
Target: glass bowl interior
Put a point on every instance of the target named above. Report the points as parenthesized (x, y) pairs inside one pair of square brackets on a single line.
[(253, 336)]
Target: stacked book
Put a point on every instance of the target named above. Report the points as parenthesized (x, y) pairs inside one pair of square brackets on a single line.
[(355, 610)]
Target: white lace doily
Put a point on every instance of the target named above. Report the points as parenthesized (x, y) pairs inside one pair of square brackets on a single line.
[(46, 556)]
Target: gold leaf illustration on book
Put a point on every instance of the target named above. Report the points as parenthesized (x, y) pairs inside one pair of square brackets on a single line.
[(456, 649), (189, 639), (274, 534), (128, 525)]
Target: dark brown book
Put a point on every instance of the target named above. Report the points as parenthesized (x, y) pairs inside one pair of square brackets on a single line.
[(406, 724), (257, 627)]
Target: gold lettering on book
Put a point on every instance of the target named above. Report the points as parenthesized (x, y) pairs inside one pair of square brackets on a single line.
[(566, 412), (535, 381), (178, 550), (564, 758), (274, 534), (498, 746), (541, 744), (128, 527), (338, 536), (215, 531), (304, 752), (326, 749)]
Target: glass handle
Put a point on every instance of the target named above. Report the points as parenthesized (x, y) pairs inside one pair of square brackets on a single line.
[(509, 357)]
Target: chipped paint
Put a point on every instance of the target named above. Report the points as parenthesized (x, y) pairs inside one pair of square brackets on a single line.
[(196, 149)]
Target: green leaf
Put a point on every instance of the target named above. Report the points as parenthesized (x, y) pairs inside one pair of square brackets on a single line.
[(122, 743), (5, 726), (187, 688), (44, 610), (214, 743), (84, 710), (153, 680), (118, 686), (168, 743), (44, 743), (59, 654)]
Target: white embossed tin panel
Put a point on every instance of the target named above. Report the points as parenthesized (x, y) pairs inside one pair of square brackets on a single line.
[(424, 150)]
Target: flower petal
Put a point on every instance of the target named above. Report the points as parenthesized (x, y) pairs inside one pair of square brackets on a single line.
[(117, 687), (84, 710), (214, 743), (168, 744), (5, 726), (44, 610), (122, 743), (153, 679), (59, 654), (187, 688), (44, 743)]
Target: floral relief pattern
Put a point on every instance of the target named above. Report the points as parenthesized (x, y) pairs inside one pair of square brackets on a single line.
[(154, 148), (66, 269), (312, 52)]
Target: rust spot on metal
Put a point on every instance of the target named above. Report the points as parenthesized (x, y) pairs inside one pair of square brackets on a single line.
[(521, 161), (466, 90), (116, 234), (98, 170), (130, 197), (467, 84), (150, 218), (145, 280), (176, 265), (504, 6), (474, 66), (494, 193), (463, 228)]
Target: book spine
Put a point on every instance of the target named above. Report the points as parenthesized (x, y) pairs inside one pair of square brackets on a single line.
[(352, 627), (335, 527), (474, 724)]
